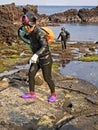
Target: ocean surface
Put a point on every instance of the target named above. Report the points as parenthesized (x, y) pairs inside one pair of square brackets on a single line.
[(79, 32), (83, 70), (56, 9)]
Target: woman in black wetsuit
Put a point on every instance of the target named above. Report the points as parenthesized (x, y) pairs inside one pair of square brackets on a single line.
[(65, 35), (41, 56)]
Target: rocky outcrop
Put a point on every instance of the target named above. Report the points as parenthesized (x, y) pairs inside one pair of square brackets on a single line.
[(10, 14), (9, 23), (76, 107), (89, 15), (66, 17), (73, 15)]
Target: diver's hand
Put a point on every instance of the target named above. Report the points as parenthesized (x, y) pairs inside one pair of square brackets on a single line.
[(22, 32), (56, 40), (34, 59)]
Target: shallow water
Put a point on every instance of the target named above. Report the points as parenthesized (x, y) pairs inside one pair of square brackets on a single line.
[(84, 70), (17, 68), (78, 32)]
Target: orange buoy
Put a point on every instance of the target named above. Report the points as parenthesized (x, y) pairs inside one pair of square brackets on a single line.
[(50, 34)]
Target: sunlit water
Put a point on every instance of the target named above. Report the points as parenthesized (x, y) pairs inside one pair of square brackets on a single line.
[(84, 70), (79, 32)]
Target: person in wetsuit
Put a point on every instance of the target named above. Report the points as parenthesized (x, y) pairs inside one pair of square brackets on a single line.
[(41, 58), (65, 35)]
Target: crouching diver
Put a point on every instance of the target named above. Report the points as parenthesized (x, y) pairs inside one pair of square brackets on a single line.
[(41, 58)]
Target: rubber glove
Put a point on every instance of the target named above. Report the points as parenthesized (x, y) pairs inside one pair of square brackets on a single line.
[(34, 59), (22, 32)]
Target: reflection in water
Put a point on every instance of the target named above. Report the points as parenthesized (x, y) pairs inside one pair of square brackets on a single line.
[(84, 70), (63, 63)]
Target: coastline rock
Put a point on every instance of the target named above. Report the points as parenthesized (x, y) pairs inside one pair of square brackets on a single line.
[(4, 83), (75, 16), (10, 14), (73, 110), (9, 23), (66, 17), (89, 15)]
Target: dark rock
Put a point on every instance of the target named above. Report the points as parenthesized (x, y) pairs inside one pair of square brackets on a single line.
[(89, 15), (93, 99), (75, 16), (96, 42), (73, 109), (10, 14), (9, 23)]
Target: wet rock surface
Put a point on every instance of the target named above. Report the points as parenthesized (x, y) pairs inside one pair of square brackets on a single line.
[(76, 107)]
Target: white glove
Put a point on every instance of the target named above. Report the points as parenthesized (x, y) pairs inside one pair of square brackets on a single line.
[(22, 32), (33, 59)]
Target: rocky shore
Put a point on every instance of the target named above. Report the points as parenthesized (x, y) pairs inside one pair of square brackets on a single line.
[(75, 16), (76, 107), (11, 13)]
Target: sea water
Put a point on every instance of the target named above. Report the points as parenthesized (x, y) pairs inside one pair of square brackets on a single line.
[(83, 70), (57, 9), (79, 32)]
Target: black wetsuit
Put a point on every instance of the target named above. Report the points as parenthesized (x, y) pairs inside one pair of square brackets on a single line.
[(39, 45), (63, 36)]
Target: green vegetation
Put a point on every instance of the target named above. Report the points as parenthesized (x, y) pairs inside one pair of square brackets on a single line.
[(88, 58), (3, 68), (54, 46), (11, 56), (55, 67)]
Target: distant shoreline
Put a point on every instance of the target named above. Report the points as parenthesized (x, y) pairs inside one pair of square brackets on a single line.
[(59, 8)]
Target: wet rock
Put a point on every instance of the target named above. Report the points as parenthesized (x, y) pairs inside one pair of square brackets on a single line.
[(9, 126), (96, 42), (93, 99), (4, 83), (63, 121), (39, 80), (71, 110), (81, 123), (92, 48)]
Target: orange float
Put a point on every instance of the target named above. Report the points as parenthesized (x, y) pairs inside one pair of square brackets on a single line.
[(49, 32)]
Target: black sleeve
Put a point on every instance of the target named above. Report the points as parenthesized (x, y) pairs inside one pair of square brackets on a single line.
[(43, 41), (59, 36)]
